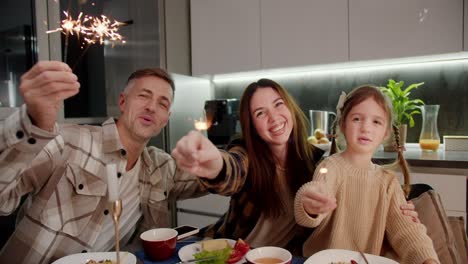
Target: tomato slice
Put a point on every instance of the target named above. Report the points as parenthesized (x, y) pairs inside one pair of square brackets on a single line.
[(242, 246), (240, 249), (234, 257)]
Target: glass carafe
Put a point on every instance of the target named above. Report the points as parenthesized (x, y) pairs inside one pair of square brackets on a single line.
[(429, 139)]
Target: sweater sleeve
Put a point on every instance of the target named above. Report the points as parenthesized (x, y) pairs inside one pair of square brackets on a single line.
[(232, 177), (409, 239), (330, 179)]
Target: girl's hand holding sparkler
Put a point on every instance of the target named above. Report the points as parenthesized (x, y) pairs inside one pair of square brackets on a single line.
[(317, 201), (44, 87), (317, 198), (195, 154)]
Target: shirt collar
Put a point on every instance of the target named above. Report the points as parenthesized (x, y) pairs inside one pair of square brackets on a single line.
[(110, 137), (111, 142)]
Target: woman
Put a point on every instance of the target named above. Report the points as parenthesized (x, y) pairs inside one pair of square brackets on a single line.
[(262, 173)]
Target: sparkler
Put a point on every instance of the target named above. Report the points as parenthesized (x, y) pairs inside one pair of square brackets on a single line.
[(93, 30), (201, 124), (323, 171)]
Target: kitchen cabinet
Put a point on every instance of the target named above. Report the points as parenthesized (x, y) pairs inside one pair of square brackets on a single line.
[(303, 32), (233, 36), (399, 28), (225, 36)]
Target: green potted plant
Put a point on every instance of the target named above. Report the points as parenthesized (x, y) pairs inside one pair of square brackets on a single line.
[(403, 108)]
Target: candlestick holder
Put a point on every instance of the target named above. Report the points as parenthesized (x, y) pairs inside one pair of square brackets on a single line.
[(116, 212)]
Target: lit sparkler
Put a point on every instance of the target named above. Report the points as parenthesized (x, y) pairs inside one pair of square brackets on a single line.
[(103, 28), (201, 124), (323, 171), (93, 29)]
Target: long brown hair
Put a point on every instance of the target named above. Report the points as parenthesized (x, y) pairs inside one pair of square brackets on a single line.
[(357, 96), (300, 161)]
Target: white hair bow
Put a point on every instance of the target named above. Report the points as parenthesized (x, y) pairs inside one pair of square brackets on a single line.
[(340, 104)]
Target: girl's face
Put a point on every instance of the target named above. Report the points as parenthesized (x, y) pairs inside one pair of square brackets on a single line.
[(365, 127), (271, 117)]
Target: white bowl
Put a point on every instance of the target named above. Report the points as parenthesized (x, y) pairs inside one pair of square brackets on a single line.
[(324, 147), (254, 255)]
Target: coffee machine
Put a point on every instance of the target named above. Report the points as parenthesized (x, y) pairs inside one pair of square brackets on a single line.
[(222, 115)]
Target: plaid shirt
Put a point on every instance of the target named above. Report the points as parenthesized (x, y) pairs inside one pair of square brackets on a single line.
[(66, 175), (242, 215)]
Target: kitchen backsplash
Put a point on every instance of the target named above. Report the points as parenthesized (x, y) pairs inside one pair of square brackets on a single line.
[(446, 84)]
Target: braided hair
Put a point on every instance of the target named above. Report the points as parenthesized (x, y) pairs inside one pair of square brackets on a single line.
[(401, 160)]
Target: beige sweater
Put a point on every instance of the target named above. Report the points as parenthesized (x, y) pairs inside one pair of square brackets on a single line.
[(368, 210)]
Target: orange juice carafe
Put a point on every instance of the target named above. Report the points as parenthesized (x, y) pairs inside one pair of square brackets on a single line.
[(429, 139)]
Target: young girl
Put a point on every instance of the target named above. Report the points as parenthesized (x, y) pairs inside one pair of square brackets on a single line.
[(354, 203)]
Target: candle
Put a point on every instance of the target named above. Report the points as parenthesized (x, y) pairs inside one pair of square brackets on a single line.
[(112, 183)]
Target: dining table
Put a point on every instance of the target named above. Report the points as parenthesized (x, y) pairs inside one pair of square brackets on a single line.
[(142, 258)]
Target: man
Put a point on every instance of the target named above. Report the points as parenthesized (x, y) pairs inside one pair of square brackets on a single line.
[(63, 168)]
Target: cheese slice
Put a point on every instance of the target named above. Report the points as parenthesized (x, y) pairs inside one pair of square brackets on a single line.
[(214, 244)]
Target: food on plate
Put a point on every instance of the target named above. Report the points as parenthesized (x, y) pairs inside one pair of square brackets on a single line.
[(223, 251), (268, 260), (319, 133), (106, 261), (214, 244), (344, 262), (240, 249)]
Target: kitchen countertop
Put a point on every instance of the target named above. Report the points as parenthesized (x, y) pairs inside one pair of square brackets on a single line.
[(417, 158)]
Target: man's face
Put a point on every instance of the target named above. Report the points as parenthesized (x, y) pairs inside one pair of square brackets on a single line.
[(145, 106)]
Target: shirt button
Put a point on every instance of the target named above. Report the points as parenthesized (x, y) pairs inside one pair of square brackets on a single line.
[(123, 152), (19, 134), (106, 212), (80, 186), (32, 141), (119, 174)]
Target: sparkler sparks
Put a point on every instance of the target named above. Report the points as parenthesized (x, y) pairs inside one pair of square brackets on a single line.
[(104, 28), (93, 29)]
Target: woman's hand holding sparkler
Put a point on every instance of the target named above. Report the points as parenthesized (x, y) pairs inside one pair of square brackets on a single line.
[(195, 154), (44, 87)]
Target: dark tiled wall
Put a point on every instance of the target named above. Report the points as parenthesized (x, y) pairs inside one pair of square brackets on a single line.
[(446, 84)]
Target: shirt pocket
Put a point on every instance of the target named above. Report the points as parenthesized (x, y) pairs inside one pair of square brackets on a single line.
[(158, 208), (73, 204)]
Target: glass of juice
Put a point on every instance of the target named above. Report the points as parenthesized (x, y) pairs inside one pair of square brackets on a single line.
[(429, 144), (429, 139)]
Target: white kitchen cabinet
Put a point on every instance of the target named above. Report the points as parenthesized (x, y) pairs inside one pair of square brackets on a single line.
[(400, 28), (303, 32), (225, 36)]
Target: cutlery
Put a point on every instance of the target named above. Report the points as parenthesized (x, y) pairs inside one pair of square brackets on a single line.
[(360, 252), (363, 256), (197, 260)]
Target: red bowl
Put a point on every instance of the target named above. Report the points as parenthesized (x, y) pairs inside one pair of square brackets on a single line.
[(159, 243)]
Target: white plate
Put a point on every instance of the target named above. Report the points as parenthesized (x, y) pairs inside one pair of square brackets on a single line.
[(335, 255), (186, 252), (81, 258)]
